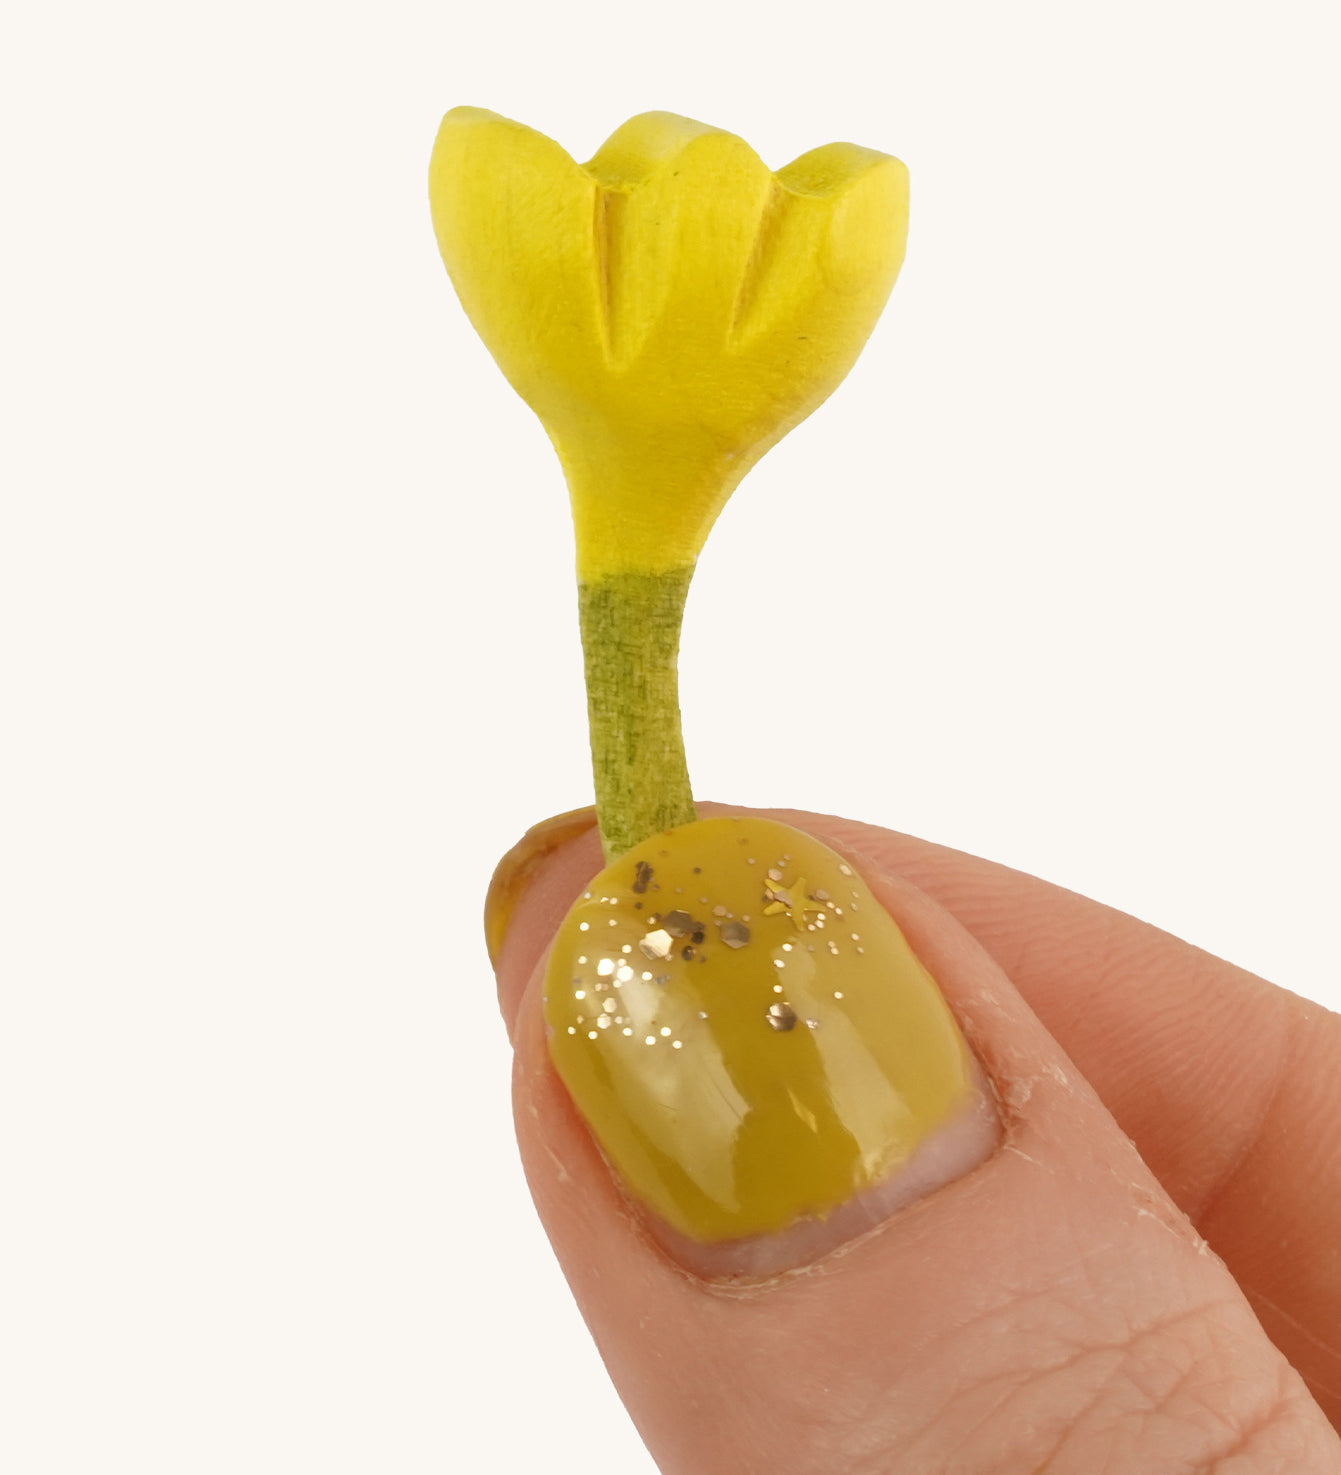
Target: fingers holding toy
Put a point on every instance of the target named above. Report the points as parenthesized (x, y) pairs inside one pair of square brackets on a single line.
[(835, 1140), (782, 1269)]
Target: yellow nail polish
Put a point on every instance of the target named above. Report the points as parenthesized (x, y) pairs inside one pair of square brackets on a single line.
[(513, 873), (745, 1029)]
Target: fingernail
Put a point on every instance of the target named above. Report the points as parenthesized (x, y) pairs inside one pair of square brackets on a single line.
[(513, 873), (758, 1052)]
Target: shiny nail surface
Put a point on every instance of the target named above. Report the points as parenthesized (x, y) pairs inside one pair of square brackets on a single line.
[(746, 1031)]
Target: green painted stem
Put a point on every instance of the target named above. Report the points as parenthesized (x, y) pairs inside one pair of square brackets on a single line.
[(630, 642)]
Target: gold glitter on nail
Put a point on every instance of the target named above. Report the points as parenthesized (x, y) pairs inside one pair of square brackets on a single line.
[(657, 945), (781, 1017), (792, 900)]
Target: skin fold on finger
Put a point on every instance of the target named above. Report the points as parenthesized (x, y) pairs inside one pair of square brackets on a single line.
[(1050, 1309), (1229, 1086)]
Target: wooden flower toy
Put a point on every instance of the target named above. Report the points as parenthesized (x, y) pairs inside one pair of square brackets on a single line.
[(746, 1032), (669, 310)]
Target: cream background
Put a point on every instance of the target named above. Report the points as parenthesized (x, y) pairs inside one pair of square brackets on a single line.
[(289, 650)]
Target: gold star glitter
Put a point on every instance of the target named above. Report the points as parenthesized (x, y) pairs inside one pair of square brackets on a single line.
[(792, 900)]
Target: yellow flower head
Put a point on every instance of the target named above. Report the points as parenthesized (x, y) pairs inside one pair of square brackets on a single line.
[(669, 310)]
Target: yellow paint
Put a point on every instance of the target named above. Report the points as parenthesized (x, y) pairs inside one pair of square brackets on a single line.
[(669, 310), (719, 1123)]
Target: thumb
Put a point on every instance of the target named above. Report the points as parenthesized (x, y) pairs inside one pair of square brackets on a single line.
[(831, 1199)]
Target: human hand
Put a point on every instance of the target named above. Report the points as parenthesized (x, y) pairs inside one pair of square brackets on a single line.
[(1058, 1297)]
